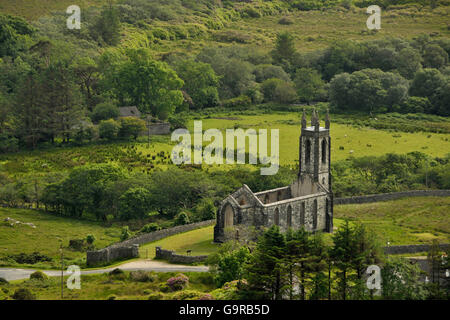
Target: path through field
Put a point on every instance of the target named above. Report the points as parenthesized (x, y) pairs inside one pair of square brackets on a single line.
[(146, 265)]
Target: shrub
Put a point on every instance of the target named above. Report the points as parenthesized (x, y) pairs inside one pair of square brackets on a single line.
[(90, 239), (141, 276), (177, 121), (31, 258), (240, 101), (108, 129), (3, 281), (285, 21), (181, 219), (23, 294), (188, 295), (179, 282), (116, 271), (131, 126), (77, 244), (151, 227), (125, 233), (111, 297), (104, 111), (156, 296), (38, 275)]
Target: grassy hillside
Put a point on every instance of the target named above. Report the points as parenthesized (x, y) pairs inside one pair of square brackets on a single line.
[(33, 9), (46, 237)]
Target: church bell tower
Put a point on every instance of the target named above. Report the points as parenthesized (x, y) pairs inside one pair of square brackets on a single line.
[(315, 147)]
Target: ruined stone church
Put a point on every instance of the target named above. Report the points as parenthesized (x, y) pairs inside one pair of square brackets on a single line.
[(307, 202)]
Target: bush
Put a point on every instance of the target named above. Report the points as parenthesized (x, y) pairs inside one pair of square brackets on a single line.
[(151, 227), (116, 271), (181, 219), (125, 233), (90, 239), (3, 281), (285, 21), (108, 129), (31, 258), (104, 111), (156, 296), (188, 295), (141, 276), (240, 101), (131, 126), (38, 275), (23, 294), (177, 121), (179, 282)]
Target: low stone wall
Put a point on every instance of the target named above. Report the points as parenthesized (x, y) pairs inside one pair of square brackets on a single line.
[(160, 234), (391, 196), (159, 128), (412, 248), (172, 257), (111, 254), (129, 249)]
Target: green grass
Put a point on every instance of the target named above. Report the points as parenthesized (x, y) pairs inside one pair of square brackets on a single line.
[(103, 286), (47, 236), (200, 241), (404, 221)]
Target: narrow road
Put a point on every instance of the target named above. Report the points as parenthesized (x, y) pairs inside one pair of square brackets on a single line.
[(146, 265)]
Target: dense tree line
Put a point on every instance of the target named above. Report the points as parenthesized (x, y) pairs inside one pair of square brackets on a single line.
[(299, 265)]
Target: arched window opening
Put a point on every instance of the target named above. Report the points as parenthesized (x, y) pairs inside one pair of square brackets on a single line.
[(302, 215), (324, 151), (289, 217), (266, 199), (308, 151), (277, 217), (279, 196), (228, 216), (315, 215)]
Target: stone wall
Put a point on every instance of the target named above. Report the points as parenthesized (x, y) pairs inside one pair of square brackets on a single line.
[(111, 254), (412, 248), (392, 196), (159, 128), (172, 257), (129, 249)]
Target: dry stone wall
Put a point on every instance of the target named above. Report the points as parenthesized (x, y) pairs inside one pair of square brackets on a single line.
[(129, 249), (392, 196)]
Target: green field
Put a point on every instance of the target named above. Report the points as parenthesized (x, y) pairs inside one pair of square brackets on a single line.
[(356, 141), (47, 236), (200, 241)]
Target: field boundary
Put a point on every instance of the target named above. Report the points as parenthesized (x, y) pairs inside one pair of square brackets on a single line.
[(413, 248), (391, 196), (129, 248)]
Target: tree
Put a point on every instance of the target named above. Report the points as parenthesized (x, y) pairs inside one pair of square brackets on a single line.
[(401, 280), (131, 126), (182, 219), (200, 82), (109, 129), (107, 27), (134, 203), (264, 271), (277, 90), (408, 62), (309, 84), (229, 263), (284, 47), (426, 83), (342, 254), (104, 111), (149, 84), (14, 32), (434, 56)]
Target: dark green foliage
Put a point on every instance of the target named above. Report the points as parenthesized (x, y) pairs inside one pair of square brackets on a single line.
[(151, 227), (104, 111), (134, 203), (182, 218), (90, 238), (108, 129), (38, 275), (23, 294), (106, 29), (13, 32), (3, 281), (131, 126), (126, 234), (31, 258)]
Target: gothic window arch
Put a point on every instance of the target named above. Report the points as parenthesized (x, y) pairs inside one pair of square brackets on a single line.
[(315, 215), (302, 215), (228, 216), (277, 217), (308, 151), (289, 217), (324, 151)]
